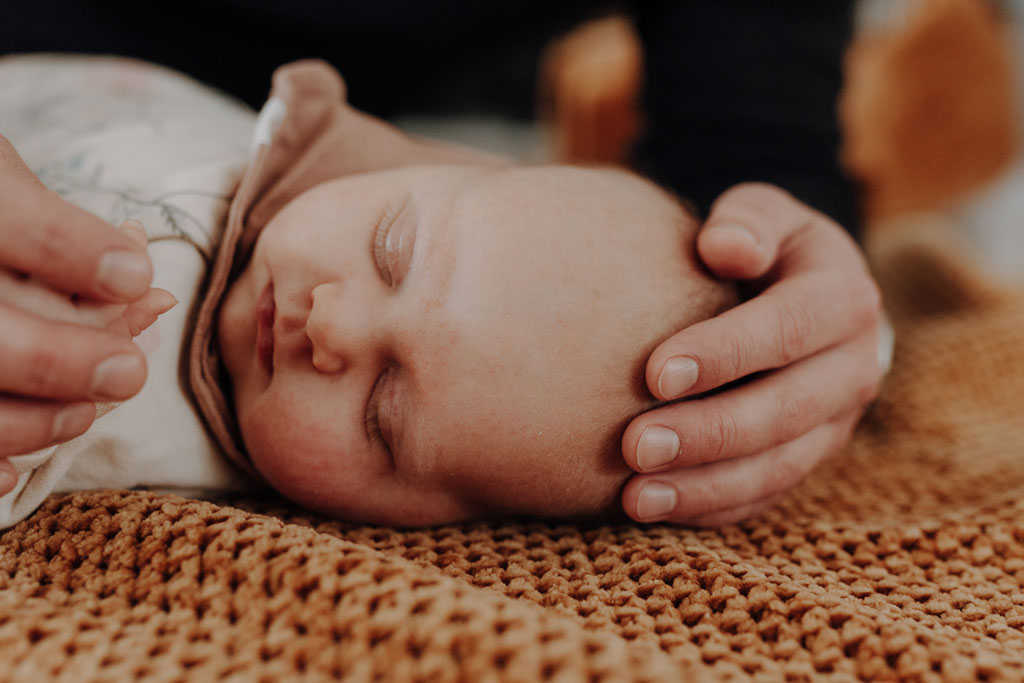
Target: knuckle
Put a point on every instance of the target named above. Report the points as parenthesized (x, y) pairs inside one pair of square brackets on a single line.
[(792, 410), (47, 236), (796, 325), (720, 437), (730, 360), (44, 370)]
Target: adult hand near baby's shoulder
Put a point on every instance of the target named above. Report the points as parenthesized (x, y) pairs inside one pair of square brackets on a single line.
[(813, 334), (66, 247), (51, 370)]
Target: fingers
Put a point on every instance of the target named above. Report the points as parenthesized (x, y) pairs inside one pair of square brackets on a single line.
[(815, 324), (66, 247), (27, 425), (44, 359), (824, 299), (767, 411), (718, 518), (39, 300), (35, 298), (695, 494)]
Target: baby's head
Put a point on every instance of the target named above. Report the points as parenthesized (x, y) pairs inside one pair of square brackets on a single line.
[(434, 344)]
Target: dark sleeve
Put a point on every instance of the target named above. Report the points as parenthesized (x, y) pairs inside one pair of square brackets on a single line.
[(397, 56), (739, 90)]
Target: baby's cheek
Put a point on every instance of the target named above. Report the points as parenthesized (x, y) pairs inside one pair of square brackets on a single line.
[(544, 467), (287, 453), (312, 459)]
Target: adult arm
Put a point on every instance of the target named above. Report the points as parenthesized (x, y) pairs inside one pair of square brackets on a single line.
[(737, 91), (67, 280), (743, 90)]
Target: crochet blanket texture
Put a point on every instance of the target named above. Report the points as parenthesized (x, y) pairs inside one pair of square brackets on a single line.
[(900, 559)]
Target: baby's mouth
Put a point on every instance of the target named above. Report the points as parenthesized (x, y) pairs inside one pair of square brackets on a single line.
[(265, 312)]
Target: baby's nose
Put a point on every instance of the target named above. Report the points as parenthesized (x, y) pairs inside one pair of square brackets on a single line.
[(322, 329)]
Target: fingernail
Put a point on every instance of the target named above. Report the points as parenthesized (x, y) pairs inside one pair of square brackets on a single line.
[(72, 421), (658, 446), (118, 376), (655, 500), (737, 230), (136, 230), (124, 273), (170, 301), (678, 376)]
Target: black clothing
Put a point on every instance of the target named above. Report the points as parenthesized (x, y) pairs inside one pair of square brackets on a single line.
[(735, 89)]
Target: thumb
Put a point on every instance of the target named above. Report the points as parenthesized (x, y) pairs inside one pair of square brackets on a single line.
[(745, 228)]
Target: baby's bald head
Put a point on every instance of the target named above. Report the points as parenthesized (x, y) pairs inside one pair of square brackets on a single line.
[(470, 341), (620, 274)]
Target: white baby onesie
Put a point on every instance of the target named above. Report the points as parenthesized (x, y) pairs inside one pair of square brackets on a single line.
[(125, 139)]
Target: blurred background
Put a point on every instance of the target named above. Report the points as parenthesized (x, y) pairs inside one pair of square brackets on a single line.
[(932, 113)]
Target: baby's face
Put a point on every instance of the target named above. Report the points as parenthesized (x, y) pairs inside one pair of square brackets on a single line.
[(432, 344)]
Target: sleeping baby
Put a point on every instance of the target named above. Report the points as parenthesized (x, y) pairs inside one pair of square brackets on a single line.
[(405, 345)]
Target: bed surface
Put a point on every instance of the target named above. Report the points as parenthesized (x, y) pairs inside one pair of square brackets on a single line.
[(901, 559)]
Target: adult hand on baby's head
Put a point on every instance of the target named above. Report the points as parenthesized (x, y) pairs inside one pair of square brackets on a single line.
[(70, 286), (814, 327)]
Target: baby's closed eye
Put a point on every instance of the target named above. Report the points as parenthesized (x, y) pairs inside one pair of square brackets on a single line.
[(380, 412), (393, 242)]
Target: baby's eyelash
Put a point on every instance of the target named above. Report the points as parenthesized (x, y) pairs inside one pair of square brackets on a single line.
[(373, 430), (380, 243)]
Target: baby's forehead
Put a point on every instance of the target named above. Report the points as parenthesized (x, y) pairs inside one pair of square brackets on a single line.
[(601, 193), (581, 203)]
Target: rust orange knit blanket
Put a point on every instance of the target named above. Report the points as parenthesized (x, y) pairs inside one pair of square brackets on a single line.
[(900, 559)]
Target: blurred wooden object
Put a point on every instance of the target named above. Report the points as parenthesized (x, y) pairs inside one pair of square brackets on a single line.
[(928, 110), (590, 91)]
